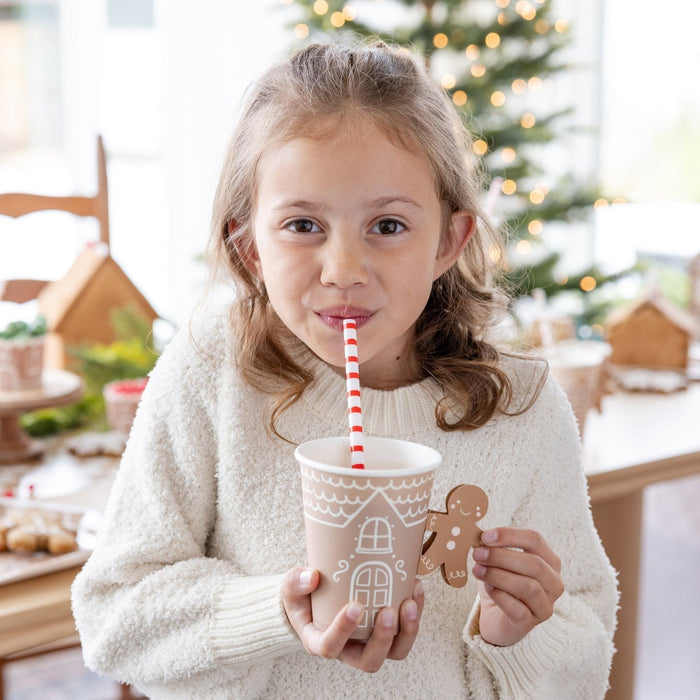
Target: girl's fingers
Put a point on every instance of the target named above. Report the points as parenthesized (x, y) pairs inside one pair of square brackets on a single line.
[(520, 538), (297, 586), (331, 642), (523, 590), (392, 637), (522, 563), (371, 655), (409, 622), (513, 609)]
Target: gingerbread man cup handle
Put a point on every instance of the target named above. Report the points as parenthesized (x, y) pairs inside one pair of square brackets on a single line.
[(453, 533)]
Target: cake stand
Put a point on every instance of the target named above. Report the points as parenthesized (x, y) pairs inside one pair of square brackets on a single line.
[(58, 388)]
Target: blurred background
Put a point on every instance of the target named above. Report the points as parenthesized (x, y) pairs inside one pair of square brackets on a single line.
[(161, 81)]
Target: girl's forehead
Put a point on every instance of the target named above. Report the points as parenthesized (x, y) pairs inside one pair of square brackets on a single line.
[(350, 124)]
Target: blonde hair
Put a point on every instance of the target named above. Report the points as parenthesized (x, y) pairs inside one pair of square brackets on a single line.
[(389, 87)]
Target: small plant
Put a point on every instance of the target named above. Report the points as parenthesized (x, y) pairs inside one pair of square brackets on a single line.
[(131, 355), (19, 330)]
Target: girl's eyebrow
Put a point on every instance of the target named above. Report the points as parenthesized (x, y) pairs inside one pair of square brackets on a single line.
[(301, 204), (380, 203), (386, 201)]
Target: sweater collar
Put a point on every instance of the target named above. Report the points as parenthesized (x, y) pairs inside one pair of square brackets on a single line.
[(399, 412)]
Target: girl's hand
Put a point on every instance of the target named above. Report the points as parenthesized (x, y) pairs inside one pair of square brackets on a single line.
[(517, 589), (335, 642)]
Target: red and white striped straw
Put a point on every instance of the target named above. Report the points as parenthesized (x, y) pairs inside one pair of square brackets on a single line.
[(352, 379)]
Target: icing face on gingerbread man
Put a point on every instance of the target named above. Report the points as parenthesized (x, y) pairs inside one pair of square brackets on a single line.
[(453, 533)]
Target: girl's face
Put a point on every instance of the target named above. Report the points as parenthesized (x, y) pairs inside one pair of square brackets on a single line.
[(349, 226)]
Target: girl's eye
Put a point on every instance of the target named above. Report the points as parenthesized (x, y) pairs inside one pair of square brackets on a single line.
[(387, 227), (302, 226)]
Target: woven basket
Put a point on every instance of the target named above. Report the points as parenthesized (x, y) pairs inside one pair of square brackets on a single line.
[(579, 367)]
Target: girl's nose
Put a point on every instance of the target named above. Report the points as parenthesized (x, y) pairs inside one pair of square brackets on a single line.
[(344, 267)]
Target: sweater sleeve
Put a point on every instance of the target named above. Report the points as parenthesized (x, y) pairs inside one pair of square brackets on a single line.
[(150, 605), (570, 654)]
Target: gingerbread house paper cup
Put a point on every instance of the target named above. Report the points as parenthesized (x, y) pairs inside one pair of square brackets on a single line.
[(364, 527)]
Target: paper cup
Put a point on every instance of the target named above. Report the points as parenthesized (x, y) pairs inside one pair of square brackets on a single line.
[(364, 527)]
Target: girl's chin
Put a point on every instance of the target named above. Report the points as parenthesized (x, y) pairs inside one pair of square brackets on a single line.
[(332, 360)]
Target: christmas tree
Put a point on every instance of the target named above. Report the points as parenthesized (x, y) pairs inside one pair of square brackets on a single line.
[(492, 57)]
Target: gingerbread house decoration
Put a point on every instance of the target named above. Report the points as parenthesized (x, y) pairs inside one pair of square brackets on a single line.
[(652, 333), (373, 539), (78, 306)]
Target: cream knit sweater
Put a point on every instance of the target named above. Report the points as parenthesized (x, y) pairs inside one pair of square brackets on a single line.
[(181, 596)]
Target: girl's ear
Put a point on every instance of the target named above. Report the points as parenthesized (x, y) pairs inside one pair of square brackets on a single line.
[(462, 226), (246, 250)]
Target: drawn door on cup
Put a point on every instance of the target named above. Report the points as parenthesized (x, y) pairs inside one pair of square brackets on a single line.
[(371, 586)]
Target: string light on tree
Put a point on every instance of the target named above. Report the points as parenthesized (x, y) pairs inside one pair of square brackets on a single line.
[(480, 147), (518, 86), (509, 187), (507, 155), (448, 81), (528, 120), (492, 40), (537, 196), (472, 52), (535, 227), (525, 10), (440, 40), (588, 283)]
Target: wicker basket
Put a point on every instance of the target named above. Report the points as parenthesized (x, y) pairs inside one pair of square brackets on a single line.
[(579, 367), (121, 401)]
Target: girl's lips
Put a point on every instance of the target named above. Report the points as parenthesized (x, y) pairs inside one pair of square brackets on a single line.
[(334, 318)]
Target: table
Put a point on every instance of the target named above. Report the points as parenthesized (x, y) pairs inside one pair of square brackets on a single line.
[(637, 440), (36, 612)]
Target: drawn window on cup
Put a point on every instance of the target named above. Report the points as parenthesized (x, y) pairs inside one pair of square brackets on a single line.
[(375, 537)]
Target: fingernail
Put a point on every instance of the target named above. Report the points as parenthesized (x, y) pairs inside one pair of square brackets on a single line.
[(481, 554), (418, 590), (479, 570), (489, 536), (411, 610), (388, 618), (305, 576), (353, 612)]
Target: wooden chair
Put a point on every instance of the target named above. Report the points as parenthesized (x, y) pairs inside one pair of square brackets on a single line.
[(17, 204)]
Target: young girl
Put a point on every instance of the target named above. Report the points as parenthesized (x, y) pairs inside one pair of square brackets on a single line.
[(347, 191)]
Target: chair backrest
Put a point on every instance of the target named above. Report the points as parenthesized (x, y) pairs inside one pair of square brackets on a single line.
[(17, 204)]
